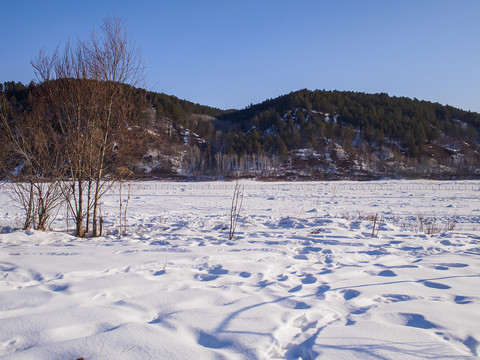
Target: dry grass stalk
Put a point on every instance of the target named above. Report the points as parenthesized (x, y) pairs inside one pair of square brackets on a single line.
[(237, 201)]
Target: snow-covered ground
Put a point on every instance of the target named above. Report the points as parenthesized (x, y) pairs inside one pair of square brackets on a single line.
[(304, 278)]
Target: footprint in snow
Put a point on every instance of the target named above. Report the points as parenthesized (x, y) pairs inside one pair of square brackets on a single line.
[(350, 322), (265, 283), (245, 274), (325, 271), (293, 304), (58, 287), (310, 249), (473, 344), (418, 321), (206, 277), (309, 279), (397, 298), (378, 252), (322, 289), (387, 273), (448, 243), (295, 289), (395, 242), (454, 265), (218, 270), (435, 285), (7, 266), (462, 300), (355, 225), (350, 294), (300, 305), (211, 342), (361, 310)]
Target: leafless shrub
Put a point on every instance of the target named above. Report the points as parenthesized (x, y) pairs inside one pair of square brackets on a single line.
[(237, 201), (431, 227), (359, 215), (89, 97), (32, 164), (345, 214), (427, 224), (375, 218), (376, 226), (123, 213), (450, 224)]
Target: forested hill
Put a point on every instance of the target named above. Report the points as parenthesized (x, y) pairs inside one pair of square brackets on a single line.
[(301, 135), (177, 109), (303, 117), (335, 134)]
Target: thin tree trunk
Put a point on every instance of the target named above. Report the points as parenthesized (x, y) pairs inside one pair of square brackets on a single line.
[(80, 232), (98, 184), (126, 208), (120, 207), (95, 208), (89, 193), (29, 215)]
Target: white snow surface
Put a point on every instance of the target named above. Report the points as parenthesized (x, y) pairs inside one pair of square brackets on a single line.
[(302, 279)]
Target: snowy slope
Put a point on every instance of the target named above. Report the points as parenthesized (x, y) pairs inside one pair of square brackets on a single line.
[(302, 279)]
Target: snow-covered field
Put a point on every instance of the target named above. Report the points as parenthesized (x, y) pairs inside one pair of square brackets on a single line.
[(304, 278)]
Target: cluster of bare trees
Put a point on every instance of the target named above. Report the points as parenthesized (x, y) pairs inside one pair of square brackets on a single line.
[(31, 140), (65, 144)]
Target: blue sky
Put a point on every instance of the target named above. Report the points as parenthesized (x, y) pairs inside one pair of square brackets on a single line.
[(229, 53)]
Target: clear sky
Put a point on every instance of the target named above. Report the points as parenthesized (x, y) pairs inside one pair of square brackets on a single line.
[(230, 53)]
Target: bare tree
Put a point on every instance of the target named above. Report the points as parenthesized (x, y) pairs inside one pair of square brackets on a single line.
[(32, 162), (89, 87), (114, 62)]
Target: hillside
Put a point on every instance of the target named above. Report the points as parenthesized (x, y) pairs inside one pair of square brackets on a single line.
[(332, 134), (301, 135)]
